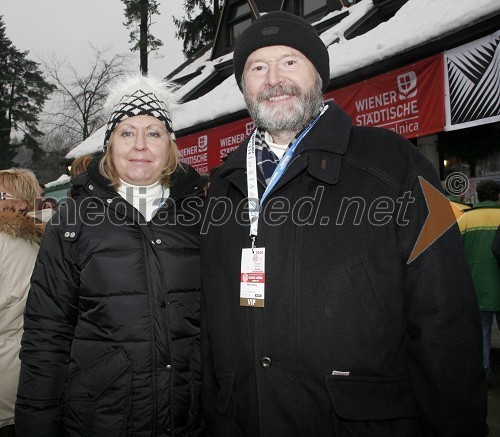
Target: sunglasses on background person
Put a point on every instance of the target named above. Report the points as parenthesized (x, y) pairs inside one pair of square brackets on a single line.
[(6, 196)]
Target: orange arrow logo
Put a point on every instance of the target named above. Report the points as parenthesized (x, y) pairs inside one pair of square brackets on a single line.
[(442, 216)]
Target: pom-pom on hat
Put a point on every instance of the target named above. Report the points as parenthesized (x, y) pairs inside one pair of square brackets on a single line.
[(139, 95), (282, 29)]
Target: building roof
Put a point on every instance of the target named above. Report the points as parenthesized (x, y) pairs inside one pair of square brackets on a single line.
[(359, 47)]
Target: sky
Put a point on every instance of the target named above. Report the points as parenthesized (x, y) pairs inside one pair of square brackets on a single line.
[(66, 28)]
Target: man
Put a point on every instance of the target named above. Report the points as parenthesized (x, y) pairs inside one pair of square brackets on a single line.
[(313, 322), (479, 226)]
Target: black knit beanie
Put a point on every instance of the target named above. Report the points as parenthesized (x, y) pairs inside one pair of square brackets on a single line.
[(282, 29)]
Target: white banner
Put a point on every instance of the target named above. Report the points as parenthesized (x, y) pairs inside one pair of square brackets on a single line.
[(472, 83)]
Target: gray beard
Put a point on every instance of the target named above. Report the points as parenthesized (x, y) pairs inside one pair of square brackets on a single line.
[(286, 118)]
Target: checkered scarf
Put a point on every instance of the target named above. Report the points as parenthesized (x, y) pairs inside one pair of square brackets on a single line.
[(266, 159)]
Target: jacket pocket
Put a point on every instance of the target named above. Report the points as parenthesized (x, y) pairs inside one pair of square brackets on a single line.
[(370, 398), (97, 397), (225, 419)]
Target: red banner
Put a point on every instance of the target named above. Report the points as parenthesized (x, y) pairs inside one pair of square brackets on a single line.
[(409, 100), (206, 149)]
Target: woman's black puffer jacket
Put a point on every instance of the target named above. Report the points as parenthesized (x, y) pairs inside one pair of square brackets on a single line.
[(111, 341)]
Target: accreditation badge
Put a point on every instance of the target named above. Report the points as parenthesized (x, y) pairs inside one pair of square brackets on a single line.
[(253, 276)]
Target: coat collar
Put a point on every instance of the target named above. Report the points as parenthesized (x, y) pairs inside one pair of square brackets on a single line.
[(92, 185), (184, 182), (486, 204), (21, 226), (323, 146)]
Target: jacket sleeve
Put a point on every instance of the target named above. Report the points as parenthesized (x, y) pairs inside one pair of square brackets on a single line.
[(444, 342), (495, 246), (49, 323)]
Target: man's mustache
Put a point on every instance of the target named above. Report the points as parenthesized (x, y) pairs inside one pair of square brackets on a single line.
[(278, 90)]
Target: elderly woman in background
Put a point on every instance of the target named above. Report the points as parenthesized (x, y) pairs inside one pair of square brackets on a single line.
[(20, 239), (111, 342)]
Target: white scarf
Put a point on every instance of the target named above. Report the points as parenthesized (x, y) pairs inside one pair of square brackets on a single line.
[(146, 199)]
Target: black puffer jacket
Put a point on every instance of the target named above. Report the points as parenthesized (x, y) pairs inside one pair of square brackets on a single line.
[(111, 341)]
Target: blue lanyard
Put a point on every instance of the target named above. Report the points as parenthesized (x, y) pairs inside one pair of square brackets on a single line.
[(253, 196), (287, 157)]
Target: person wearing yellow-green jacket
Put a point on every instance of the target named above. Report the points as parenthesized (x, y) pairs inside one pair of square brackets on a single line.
[(478, 227), (458, 202)]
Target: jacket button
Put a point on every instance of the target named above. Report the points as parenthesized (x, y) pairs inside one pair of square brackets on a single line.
[(163, 304), (265, 362), (158, 241), (91, 394), (168, 367)]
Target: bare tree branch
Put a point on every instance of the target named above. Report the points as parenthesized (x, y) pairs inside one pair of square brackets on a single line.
[(77, 109)]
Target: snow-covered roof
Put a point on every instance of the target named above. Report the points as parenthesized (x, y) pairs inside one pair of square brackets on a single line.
[(61, 180), (416, 23)]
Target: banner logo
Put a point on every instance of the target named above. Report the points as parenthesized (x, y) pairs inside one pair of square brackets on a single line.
[(249, 128), (407, 85), (203, 143)]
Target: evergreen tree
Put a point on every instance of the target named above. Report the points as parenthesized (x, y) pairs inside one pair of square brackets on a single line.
[(198, 28), (139, 14), (23, 92)]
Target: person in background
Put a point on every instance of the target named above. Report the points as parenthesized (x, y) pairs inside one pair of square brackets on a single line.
[(49, 203), (79, 165), (478, 227), (495, 248), (41, 213), (459, 202), (314, 322), (111, 341), (20, 238), (40, 198)]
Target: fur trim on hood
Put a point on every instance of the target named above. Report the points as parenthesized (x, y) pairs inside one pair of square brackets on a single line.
[(21, 226)]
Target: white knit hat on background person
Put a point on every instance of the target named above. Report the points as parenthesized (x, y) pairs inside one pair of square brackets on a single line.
[(139, 95)]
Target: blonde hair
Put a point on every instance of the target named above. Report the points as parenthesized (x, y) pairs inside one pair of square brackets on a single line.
[(107, 169), (79, 165), (23, 185)]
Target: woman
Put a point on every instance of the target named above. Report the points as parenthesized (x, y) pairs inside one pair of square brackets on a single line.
[(112, 320), (20, 239)]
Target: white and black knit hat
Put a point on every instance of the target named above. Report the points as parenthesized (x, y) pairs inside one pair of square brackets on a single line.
[(139, 95)]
